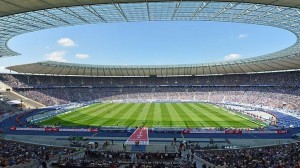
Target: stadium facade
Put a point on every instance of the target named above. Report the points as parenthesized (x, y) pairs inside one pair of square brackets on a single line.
[(18, 17)]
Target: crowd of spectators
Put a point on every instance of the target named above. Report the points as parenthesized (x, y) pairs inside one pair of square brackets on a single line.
[(15, 153), (82, 163), (274, 79), (132, 157), (275, 97), (48, 97), (127, 159), (281, 156), (4, 112), (276, 90)]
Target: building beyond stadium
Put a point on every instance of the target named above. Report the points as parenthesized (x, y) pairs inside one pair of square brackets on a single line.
[(18, 17)]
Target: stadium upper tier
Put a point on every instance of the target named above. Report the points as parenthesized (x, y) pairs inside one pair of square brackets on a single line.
[(18, 17)]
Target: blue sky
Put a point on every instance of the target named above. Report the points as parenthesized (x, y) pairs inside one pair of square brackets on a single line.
[(151, 43)]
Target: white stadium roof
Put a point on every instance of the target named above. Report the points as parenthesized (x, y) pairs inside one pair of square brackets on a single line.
[(18, 17)]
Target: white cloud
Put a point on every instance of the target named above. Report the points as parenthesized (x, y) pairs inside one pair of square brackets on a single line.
[(57, 56), (232, 57), (82, 56), (66, 42), (242, 36), (3, 70)]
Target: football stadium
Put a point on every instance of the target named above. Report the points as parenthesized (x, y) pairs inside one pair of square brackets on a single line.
[(230, 113)]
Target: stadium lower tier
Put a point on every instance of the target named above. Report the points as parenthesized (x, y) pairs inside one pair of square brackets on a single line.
[(286, 98), (16, 153), (22, 154), (273, 156)]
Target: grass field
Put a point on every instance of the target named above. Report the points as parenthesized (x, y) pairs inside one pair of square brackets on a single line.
[(187, 115)]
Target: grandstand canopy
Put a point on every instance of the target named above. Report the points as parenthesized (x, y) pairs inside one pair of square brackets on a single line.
[(18, 17), (59, 68)]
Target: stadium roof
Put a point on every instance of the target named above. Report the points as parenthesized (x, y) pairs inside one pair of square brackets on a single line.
[(18, 17), (59, 68)]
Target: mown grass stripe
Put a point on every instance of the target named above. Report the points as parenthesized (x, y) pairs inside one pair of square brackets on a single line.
[(140, 117), (175, 117), (68, 119), (85, 113), (70, 113), (109, 117), (91, 114), (150, 116), (166, 117), (133, 111), (131, 119), (234, 119), (191, 115), (126, 114), (188, 121), (212, 113), (81, 111), (205, 120), (157, 118), (225, 118)]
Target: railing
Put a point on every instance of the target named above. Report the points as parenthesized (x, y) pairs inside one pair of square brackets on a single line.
[(31, 164), (37, 141)]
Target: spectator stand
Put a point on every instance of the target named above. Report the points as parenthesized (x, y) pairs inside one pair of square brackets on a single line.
[(283, 155)]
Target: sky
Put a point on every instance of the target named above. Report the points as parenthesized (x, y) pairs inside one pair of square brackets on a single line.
[(147, 43)]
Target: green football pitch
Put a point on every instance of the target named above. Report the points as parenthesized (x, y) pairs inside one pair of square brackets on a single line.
[(183, 115)]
